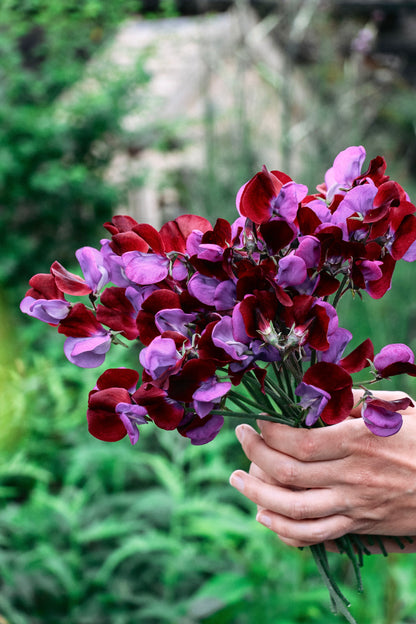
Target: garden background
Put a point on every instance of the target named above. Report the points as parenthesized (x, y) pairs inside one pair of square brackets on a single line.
[(94, 532)]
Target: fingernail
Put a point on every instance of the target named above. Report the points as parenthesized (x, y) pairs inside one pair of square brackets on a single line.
[(237, 482), (264, 520), (239, 432)]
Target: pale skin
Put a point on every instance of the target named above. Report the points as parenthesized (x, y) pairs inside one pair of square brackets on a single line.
[(312, 486)]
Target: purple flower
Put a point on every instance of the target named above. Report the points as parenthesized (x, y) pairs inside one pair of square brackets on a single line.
[(193, 242), (203, 288), (382, 417), (393, 354), (114, 265), (222, 336), (225, 295), (370, 270), (201, 431), (160, 357), (338, 340), (309, 250), (292, 271), (320, 208), (210, 252), (145, 268), (138, 294), (88, 352), (313, 399), (174, 319), (208, 394), (286, 204), (131, 416), (92, 264), (347, 166), (50, 311)]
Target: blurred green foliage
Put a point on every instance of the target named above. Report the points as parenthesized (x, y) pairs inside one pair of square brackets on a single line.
[(95, 532), (54, 146)]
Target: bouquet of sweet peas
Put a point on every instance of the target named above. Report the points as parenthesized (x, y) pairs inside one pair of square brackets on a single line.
[(240, 319)]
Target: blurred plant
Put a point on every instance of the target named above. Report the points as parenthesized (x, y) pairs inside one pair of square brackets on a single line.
[(54, 149), (91, 532)]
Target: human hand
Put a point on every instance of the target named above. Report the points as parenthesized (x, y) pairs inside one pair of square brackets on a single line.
[(312, 486)]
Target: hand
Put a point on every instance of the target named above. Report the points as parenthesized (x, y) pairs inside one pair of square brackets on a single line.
[(312, 486)]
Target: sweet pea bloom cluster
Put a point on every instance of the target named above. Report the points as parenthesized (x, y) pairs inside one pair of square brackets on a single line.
[(240, 319), (249, 305)]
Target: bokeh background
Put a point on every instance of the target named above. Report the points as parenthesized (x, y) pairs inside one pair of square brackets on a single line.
[(155, 108)]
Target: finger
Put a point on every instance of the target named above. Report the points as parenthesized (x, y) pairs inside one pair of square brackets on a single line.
[(295, 504), (286, 470), (306, 532), (257, 472), (310, 445)]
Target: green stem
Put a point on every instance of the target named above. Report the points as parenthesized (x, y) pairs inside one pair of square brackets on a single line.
[(251, 416), (340, 291)]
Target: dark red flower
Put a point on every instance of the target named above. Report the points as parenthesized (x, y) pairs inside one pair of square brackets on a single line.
[(113, 387), (337, 383)]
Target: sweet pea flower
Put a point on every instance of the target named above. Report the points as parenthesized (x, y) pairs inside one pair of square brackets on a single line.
[(131, 416), (94, 268), (174, 319), (201, 430), (145, 268), (114, 265), (292, 271), (395, 359), (382, 417), (223, 337), (88, 352), (87, 340), (51, 311), (326, 389), (160, 358), (208, 394), (314, 400), (346, 168), (203, 288), (111, 414)]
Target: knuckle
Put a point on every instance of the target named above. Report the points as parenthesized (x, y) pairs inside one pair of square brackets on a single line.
[(287, 473), (307, 447), (299, 510)]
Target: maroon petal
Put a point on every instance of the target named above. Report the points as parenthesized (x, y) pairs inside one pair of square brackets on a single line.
[(159, 300), (378, 288), (375, 171), (277, 234), (398, 368), (338, 383), (308, 220), (128, 241), (126, 378), (404, 237), (358, 359), (103, 422), (165, 412), (151, 236), (68, 282), (117, 312), (174, 233), (43, 286), (120, 223), (255, 201), (80, 323), (185, 383)]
